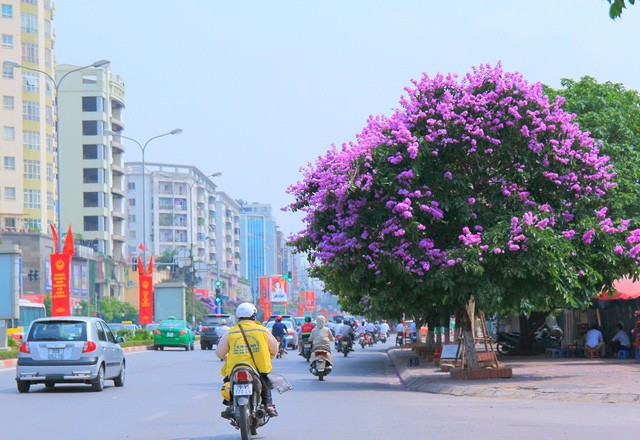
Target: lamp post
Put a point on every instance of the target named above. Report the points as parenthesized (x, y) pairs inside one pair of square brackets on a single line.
[(193, 269), (56, 86), (144, 196)]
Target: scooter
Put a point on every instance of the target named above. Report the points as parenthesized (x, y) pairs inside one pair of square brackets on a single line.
[(248, 411), (306, 349), (507, 342), (383, 337), (320, 364), (346, 346), (362, 340), (399, 339), (337, 343)]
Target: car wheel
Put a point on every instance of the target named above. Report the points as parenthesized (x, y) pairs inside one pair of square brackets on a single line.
[(98, 383), (119, 381), (155, 347), (49, 385), (23, 387)]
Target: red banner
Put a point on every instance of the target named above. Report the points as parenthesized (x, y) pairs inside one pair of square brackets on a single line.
[(264, 290), (146, 292), (267, 310), (300, 308), (146, 299), (324, 313), (310, 300), (60, 265)]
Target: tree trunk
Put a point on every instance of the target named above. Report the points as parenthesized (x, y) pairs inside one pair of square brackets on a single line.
[(528, 326), (470, 354)]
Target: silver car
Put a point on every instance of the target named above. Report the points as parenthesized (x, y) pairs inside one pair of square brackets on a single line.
[(70, 349)]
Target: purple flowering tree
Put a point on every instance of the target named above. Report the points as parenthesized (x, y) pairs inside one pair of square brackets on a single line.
[(475, 188)]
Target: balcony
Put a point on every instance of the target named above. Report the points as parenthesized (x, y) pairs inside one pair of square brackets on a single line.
[(116, 123), (116, 144), (118, 215), (117, 169), (117, 192), (119, 238)]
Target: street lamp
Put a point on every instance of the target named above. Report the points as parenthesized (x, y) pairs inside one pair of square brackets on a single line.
[(144, 199), (56, 85), (193, 270)]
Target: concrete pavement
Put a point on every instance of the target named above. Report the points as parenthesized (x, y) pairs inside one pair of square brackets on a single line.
[(566, 379)]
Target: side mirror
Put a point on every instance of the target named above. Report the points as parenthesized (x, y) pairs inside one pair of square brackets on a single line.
[(119, 339)]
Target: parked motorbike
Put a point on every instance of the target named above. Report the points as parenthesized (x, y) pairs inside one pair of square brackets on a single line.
[(320, 362), (248, 411), (507, 342)]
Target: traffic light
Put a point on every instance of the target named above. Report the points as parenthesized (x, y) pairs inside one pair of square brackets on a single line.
[(36, 275), (134, 264), (30, 275), (218, 298), (287, 276), (218, 284)]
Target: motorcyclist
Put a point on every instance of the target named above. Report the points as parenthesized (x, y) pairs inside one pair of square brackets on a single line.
[(305, 332), (321, 337), (279, 330), (370, 328), (347, 333), (233, 349), (384, 327)]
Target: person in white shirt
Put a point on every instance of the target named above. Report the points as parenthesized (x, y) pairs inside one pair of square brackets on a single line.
[(620, 341), (222, 329), (594, 340), (384, 328), (400, 328)]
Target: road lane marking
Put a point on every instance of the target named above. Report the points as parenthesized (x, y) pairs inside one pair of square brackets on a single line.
[(202, 396), (155, 416)]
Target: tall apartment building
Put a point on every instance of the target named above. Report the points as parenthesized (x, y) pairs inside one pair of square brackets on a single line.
[(27, 150), (180, 209), (228, 237), (259, 244)]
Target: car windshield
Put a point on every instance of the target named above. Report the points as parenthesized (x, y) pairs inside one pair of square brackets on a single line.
[(58, 331), (131, 327), (212, 321), (115, 326), (172, 323)]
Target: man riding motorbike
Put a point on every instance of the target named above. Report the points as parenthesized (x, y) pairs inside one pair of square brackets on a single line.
[(279, 330), (347, 333), (305, 332), (234, 350), (321, 337)]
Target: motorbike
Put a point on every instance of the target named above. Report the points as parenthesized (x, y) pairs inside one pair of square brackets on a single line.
[(399, 339), (362, 340), (306, 349), (281, 351), (383, 337), (369, 338), (320, 362), (248, 411), (337, 343), (346, 346), (507, 342)]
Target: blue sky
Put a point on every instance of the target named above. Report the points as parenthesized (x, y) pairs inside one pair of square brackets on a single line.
[(260, 88)]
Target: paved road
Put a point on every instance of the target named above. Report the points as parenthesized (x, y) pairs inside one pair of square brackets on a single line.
[(174, 395)]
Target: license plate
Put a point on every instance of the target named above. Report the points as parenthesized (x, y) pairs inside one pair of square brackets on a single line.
[(242, 389), (56, 353), (170, 334), (320, 365), (345, 343)]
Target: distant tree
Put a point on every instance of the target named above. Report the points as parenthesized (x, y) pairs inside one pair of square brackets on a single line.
[(475, 189), (615, 10)]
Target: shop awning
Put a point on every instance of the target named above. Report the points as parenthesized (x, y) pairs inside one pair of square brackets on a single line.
[(624, 288)]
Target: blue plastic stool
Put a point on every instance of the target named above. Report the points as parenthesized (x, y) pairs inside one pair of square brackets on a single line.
[(623, 354), (567, 353), (638, 353), (553, 353)]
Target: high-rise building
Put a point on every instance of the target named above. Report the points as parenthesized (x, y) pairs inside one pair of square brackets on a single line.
[(27, 153), (259, 244), (228, 233)]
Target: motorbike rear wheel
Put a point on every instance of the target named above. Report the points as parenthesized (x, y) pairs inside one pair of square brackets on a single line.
[(503, 348), (321, 375), (244, 422)]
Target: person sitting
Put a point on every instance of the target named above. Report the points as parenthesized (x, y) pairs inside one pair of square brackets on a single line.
[(279, 331), (620, 341), (594, 340), (305, 332)]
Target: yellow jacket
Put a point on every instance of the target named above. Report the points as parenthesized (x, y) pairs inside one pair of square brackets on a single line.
[(233, 345)]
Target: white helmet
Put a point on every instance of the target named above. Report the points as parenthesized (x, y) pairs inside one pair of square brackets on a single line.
[(246, 310)]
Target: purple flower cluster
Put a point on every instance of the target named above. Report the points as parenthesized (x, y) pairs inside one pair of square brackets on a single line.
[(423, 186)]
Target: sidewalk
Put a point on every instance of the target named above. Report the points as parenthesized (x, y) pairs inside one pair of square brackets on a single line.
[(10, 363), (567, 379)]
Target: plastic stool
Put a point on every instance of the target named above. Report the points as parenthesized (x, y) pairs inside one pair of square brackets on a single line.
[(567, 352), (592, 353), (638, 353), (623, 354), (553, 353)]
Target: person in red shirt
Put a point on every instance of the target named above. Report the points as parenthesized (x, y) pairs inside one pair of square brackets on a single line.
[(305, 331)]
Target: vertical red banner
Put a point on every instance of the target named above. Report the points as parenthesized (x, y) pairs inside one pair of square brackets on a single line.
[(267, 310), (300, 308), (60, 296), (146, 299), (310, 302)]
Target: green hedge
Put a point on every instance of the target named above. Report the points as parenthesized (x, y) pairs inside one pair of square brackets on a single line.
[(12, 353), (134, 343)]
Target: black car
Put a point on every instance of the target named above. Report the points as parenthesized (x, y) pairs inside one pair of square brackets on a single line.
[(209, 330)]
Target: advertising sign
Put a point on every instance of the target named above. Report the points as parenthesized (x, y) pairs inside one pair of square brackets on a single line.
[(60, 303), (278, 289), (85, 280), (146, 292), (310, 300)]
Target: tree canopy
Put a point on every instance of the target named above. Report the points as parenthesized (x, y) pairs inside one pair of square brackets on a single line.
[(479, 186), (615, 10)]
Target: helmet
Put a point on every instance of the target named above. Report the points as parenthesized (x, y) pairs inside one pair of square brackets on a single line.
[(278, 318), (377, 322), (307, 319), (246, 310)]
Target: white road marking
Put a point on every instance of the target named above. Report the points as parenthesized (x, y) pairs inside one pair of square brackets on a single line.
[(202, 396)]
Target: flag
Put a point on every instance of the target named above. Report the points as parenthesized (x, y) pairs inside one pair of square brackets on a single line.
[(140, 267), (150, 267), (68, 243), (141, 247), (55, 237)]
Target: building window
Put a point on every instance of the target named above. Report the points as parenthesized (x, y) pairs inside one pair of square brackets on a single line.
[(32, 169), (132, 202), (131, 186), (49, 143), (131, 218), (7, 71), (9, 163), (7, 11), (91, 223), (30, 82), (91, 175), (49, 87), (91, 152), (31, 2), (32, 224), (132, 234), (30, 53), (32, 199), (9, 222), (47, 29), (50, 175), (31, 140), (49, 114), (91, 103), (9, 193), (48, 57), (7, 41), (90, 128), (9, 133), (50, 201), (8, 102), (30, 111), (89, 79), (91, 200), (29, 23)]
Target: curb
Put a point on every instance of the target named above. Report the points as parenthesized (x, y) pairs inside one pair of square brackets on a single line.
[(8, 363), (421, 381)]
